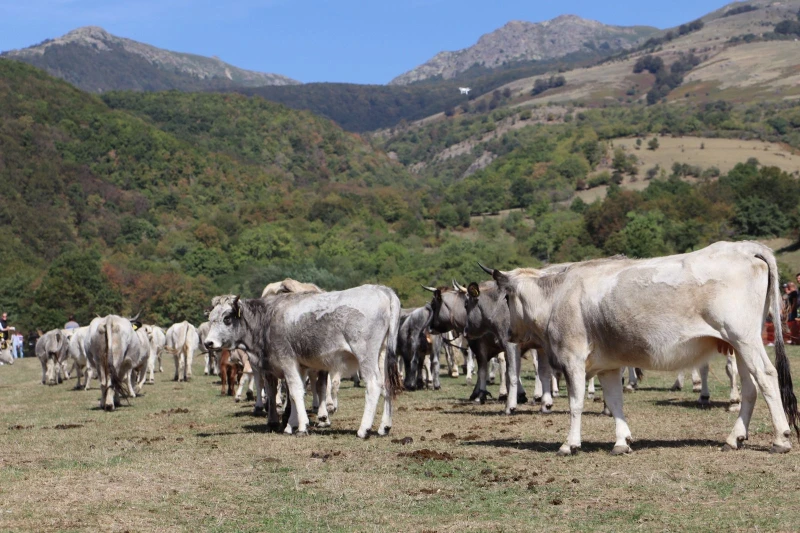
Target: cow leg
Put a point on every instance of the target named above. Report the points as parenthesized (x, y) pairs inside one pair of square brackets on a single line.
[(329, 396), (44, 371), (78, 376), (749, 395), (259, 406), (493, 364), (189, 358), (697, 380), (501, 362), (511, 376), (323, 420), (336, 381), (633, 383), (178, 366), (756, 361), (612, 394), (450, 356), (545, 376), (576, 373), (294, 382), (522, 397), (129, 379), (142, 375), (590, 388), (207, 369), (271, 386), (371, 376), (89, 373), (151, 367), (537, 385), (435, 369), (160, 365), (470, 364), (313, 378), (428, 373), (678, 385), (483, 371), (247, 377), (732, 371), (215, 363), (705, 397), (554, 384)]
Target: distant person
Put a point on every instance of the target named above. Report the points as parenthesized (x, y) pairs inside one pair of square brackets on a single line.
[(71, 324), (792, 311), (17, 340), (5, 329)]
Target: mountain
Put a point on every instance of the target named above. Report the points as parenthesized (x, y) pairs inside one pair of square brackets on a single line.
[(96, 61), (526, 41)]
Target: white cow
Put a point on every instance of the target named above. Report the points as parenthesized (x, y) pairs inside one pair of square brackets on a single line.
[(591, 317), (115, 350), (157, 340), (182, 342), (76, 351)]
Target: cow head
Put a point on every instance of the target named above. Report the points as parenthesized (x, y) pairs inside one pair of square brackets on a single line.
[(226, 324), (475, 313), (448, 309)]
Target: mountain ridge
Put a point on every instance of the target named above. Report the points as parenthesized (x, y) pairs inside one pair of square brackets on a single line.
[(97, 61), (519, 40)]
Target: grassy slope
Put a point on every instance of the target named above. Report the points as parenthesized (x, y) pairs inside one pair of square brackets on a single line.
[(214, 468)]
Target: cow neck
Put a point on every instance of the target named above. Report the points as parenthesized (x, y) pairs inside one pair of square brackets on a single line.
[(458, 313)]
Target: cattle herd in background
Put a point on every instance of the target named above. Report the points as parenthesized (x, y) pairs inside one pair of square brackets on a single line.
[(576, 320)]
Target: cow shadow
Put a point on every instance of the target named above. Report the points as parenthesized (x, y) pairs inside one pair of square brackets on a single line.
[(498, 412), (591, 447), (691, 404), (205, 435), (266, 428)]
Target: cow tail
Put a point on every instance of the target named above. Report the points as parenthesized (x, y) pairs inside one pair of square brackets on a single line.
[(788, 398), (393, 382)]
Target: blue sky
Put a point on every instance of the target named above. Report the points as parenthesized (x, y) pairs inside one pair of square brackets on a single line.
[(355, 41)]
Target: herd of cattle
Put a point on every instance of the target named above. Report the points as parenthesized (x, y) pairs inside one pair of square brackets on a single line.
[(577, 320)]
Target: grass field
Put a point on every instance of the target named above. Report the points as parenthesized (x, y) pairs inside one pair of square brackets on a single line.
[(184, 458)]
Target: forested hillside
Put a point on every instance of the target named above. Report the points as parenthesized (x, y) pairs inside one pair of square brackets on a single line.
[(154, 202), (185, 196)]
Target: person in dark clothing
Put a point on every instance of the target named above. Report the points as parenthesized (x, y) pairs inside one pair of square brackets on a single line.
[(791, 315), (5, 329)]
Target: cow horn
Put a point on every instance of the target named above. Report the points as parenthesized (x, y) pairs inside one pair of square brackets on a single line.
[(458, 287), (488, 270), (429, 289), (134, 319)]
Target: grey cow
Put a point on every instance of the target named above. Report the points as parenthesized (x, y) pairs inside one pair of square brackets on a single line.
[(334, 331), (50, 349)]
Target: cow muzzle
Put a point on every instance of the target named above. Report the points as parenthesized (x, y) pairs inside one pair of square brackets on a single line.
[(211, 345)]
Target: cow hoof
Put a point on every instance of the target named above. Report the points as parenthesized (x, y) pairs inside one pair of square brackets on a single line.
[(237, 399), (454, 374), (697, 388), (249, 396), (469, 381), (628, 388), (362, 434), (606, 411), (537, 399), (547, 408), (258, 411), (734, 407), (674, 388), (510, 411), (331, 408), (522, 398), (726, 447), (301, 434), (384, 431), (590, 396), (205, 372), (502, 398), (621, 450), (565, 450), (555, 394), (437, 387), (274, 427), (491, 380), (777, 448)]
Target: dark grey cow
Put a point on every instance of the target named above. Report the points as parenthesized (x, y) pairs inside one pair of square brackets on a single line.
[(449, 313), (334, 331), (412, 344)]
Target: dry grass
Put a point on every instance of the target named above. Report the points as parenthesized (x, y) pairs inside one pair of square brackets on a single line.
[(696, 151), (215, 468)]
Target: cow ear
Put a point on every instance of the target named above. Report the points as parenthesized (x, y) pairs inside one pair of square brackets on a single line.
[(237, 308), (473, 290)]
